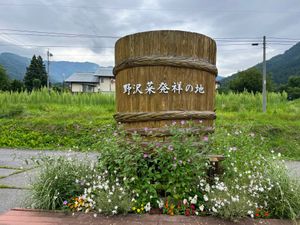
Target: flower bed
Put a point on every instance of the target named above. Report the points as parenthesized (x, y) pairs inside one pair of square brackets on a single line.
[(171, 178)]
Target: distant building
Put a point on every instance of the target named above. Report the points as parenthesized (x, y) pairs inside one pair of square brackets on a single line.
[(100, 81)]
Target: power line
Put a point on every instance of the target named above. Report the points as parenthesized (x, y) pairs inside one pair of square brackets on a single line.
[(54, 46), (34, 32), (150, 9)]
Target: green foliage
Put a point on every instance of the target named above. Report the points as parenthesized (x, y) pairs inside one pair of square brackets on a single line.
[(293, 87), (4, 80), (157, 169), (81, 122), (56, 181), (36, 84), (16, 86), (254, 178), (34, 72), (284, 198), (73, 184), (106, 203), (249, 80)]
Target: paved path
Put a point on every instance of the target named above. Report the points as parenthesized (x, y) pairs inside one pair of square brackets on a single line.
[(15, 174)]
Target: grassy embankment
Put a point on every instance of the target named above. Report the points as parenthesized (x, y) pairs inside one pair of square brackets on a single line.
[(80, 122)]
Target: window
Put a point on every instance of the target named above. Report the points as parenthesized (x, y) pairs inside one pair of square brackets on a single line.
[(87, 88)]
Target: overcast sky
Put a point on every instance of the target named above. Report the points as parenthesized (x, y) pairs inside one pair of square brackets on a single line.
[(214, 18)]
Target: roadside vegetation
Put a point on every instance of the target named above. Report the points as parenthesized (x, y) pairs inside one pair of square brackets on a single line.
[(39, 120)]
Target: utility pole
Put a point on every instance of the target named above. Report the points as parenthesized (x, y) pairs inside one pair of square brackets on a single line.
[(264, 78), (264, 82), (48, 69), (48, 63)]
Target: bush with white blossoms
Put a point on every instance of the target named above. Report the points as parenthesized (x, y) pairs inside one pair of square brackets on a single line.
[(172, 179), (255, 181)]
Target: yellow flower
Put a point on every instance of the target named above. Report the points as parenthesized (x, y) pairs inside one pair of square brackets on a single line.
[(133, 208), (142, 208), (138, 210)]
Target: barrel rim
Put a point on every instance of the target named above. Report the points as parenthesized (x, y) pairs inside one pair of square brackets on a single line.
[(152, 31)]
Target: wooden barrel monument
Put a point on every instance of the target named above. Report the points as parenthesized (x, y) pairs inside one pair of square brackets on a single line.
[(164, 77)]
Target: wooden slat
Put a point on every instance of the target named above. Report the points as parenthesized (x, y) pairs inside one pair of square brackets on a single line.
[(165, 46)]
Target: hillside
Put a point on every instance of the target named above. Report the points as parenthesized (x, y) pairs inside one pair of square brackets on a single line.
[(280, 67), (15, 66)]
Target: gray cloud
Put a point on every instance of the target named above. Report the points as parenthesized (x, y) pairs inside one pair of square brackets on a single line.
[(228, 18)]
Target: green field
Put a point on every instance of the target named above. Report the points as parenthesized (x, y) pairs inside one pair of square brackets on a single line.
[(81, 122)]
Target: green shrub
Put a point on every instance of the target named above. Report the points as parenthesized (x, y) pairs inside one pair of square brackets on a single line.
[(156, 170), (55, 181), (254, 182)]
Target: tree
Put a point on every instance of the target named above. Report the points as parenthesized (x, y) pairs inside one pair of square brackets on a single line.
[(249, 80), (16, 86), (293, 87), (35, 71), (36, 84), (4, 80)]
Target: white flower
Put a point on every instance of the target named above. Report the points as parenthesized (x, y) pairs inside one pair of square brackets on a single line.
[(99, 210), (160, 203), (147, 207), (114, 212), (201, 207), (108, 200), (116, 207), (194, 200), (196, 213), (207, 188), (214, 209), (205, 198), (95, 214), (185, 201), (55, 177)]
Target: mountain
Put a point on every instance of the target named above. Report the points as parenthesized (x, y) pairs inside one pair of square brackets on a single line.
[(15, 66), (280, 67), (219, 78)]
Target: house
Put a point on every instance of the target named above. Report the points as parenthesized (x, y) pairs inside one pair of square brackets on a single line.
[(100, 81)]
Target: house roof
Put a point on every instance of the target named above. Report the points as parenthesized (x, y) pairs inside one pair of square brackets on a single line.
[(83, 78), (105, 72)]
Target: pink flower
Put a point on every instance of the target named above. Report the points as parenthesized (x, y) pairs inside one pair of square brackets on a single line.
[(146, 155), (205, 138), (200, 121), (170, 148), (182, 122)]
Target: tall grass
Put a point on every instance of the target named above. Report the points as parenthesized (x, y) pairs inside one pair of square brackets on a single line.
[(66, 98), (230, 102), (239, 102)]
